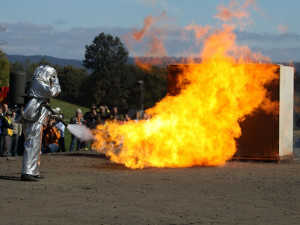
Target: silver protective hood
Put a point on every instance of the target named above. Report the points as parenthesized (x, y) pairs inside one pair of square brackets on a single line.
[(45, 84), (44, 73)]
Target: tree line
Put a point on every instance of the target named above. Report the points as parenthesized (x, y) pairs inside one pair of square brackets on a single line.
[(107, 78)]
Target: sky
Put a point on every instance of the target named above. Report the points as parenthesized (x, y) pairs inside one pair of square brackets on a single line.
[(62, 28)]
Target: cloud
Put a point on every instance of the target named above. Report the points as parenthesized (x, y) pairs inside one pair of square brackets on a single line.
[(281, 54), (237, 13), (279, 47), (60, 21), (27, 27), (44, 39), (263, 38)]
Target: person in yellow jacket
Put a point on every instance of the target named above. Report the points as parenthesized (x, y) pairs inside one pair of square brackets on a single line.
[(7, 131)]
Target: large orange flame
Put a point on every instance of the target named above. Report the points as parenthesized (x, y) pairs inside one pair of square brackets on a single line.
[(200, 125)]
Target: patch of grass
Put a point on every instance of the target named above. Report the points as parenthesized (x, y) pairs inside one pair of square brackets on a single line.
[(68, 110)]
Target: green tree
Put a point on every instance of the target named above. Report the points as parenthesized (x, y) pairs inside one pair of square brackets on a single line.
[(4, 69), (71, 80), (17, 66), (106, 53), (155, 85), (30, 68), (106, 57), (2, 29)]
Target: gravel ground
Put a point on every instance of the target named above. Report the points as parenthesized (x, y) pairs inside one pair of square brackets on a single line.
[(86, 188)]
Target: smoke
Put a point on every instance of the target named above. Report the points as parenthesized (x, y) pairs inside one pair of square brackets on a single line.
[(237, 13), (200, 31), (151, 36), (80, 131), (282, 28), (139, 34)]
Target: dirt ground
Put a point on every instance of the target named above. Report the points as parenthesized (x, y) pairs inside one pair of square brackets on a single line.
[(86, 188)]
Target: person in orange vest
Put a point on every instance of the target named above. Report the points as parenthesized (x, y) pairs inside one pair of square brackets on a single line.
[(51, 137)]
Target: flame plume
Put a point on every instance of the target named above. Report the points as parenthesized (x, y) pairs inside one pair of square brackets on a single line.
[(200, 125)]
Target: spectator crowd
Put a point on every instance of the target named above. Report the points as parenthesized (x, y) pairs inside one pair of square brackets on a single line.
[(53, 139)]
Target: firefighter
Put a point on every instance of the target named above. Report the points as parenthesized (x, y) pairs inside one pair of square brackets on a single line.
[(44, 85)]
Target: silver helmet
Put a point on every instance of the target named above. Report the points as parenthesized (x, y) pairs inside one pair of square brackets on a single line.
[(45, 74)]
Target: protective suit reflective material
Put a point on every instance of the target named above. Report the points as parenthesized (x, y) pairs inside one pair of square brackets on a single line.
[(44, 86)]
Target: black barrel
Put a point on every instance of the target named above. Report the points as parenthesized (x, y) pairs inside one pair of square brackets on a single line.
[(17, 84)]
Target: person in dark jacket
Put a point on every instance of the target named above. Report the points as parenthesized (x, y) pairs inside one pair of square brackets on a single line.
[(115, 114), (104, 114), (6, 132), (91, 117), (17, 132), (92, 120)]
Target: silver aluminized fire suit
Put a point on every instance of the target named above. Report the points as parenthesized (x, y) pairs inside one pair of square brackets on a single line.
[(44, 85)]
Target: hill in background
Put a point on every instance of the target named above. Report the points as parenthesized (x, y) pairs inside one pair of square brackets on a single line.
[(53, 60), (131, 60), (78, 63)]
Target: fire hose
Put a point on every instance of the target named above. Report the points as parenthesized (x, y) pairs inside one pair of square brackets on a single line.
[(55, 115)]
